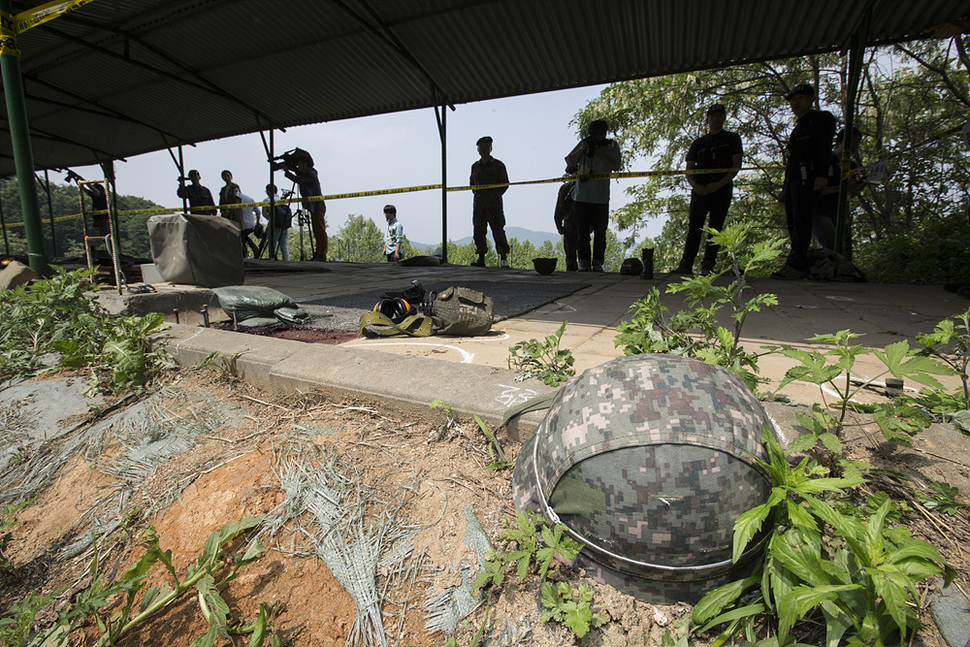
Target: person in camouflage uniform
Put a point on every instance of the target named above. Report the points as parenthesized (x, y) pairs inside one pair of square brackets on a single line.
[(487, 209), (648, 460)]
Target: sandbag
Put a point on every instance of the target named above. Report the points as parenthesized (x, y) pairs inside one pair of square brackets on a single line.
[(196, 250), (243, 302)]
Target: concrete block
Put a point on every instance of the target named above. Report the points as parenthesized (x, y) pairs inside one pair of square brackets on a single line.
[(14, 275), (150, 274)]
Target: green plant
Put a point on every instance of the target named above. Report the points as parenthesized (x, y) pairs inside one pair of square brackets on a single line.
[(897, 420), (571, 607), (857, 572), (949, 343), (543, 359), (200, 577), (531, 545), (226, 365), (59, 322), (8, 521), (944, 499), (696, 333), (17, 627), (495, 452)]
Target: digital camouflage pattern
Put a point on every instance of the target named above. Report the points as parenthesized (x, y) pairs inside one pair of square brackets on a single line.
[(648, 460)]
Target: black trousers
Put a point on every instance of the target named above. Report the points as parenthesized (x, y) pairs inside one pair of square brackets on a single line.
[(713, 209)]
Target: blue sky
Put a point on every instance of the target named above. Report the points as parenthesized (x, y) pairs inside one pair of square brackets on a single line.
[(531, 135)]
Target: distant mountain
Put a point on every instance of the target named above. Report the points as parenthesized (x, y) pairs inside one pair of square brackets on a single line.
[(521, 234)]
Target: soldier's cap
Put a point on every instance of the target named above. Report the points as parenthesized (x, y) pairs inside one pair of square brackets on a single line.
[(390, 208), (717, 107), (801, 88), (484, 140)]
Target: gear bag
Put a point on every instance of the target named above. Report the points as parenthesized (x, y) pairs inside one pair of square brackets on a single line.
[(462, 311)]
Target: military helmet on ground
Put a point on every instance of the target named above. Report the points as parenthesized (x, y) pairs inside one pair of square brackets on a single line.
[(649, 460)]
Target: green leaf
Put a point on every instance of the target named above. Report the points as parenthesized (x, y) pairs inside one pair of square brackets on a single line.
[(719, 598), (831, 442)]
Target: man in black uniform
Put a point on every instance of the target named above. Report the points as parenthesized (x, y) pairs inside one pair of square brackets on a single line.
[(199, 197), (809, 152), (711, 193)]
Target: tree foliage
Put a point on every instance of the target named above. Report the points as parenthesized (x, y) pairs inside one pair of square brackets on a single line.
[(67, 238), (908, 96)]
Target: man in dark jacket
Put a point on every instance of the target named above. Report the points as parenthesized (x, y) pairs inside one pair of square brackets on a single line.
[(809, 152), (711, 193)]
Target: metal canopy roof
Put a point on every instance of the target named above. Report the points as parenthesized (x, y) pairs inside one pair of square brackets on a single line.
[(116, 78)]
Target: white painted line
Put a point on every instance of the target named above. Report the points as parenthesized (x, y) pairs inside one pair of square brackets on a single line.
[(468, 358)]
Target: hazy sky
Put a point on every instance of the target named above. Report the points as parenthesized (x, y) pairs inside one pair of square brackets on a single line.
[(531, 135)]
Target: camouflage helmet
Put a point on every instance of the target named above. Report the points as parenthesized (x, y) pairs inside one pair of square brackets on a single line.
[(648, 460)]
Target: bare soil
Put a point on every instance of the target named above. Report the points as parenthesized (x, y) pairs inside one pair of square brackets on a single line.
[(440, 463)]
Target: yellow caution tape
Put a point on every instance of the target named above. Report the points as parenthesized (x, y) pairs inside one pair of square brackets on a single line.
[(48, 11), (433, 187)]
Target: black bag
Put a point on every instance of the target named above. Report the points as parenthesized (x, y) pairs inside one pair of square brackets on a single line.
[(283, 217)]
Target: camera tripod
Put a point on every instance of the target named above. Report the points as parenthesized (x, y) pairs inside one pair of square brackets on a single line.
[(302, 218)]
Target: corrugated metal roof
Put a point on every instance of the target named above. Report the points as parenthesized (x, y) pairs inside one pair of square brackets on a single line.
[(116, 78)]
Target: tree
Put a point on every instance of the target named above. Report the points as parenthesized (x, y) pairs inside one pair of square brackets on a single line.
[(898, 107), (67, 233), (359, 240)]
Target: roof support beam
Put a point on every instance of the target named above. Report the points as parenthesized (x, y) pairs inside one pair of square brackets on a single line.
[(192, 78), (380, 29), (13, 92), (97, 110)]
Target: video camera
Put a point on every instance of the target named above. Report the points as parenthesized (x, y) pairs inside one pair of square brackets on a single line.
[(72, 177), (290, 158)]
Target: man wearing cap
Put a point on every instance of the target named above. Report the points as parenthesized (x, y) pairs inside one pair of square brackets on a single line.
[(199, 197), (487, 209), (595, 154), (394, 238), (809, 152), (711, 193)]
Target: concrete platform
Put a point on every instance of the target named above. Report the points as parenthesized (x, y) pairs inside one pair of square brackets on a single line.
[(420, 370)]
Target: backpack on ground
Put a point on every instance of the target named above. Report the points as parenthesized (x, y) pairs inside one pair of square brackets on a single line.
[(418, 312), (462, 311)]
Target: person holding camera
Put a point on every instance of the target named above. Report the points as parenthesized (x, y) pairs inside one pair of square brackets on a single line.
[(280, 222), (298, 168), (487, 208), (199, 197), (595, 154), (711, 193)]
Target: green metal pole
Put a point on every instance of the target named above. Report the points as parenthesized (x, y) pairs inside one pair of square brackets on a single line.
[(13, 92)]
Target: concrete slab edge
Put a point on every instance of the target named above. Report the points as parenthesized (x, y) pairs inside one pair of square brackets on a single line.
[(282, 365)]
